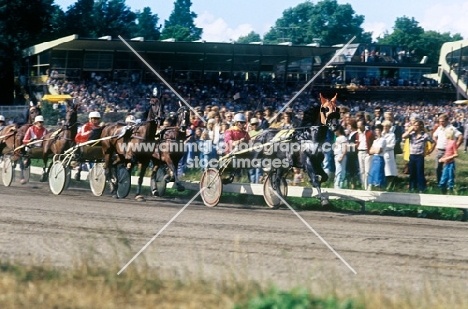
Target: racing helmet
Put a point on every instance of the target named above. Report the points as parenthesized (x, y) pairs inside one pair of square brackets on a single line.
[(239, 117), (130, 119), (2, 118), (39, 118), (94, 115)]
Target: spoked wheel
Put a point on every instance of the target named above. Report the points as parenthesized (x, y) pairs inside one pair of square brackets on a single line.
[(97, 179), (58, 177), (7, 172), (158, 181), (211, 187), (271, 188), (124, 182)]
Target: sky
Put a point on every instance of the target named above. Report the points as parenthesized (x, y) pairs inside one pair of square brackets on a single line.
[(223, 21)]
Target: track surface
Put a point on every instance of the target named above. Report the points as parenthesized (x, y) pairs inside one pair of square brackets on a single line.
[(230, 241)]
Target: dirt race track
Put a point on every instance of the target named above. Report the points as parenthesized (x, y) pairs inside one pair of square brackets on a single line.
[(231, 241)]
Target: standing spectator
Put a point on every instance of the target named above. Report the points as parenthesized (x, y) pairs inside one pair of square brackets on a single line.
[(298, 176), (377, 170), (465, 134), (263, 123), (397, 130), (340, 151), (441, 140), (417, 144), (365, 138), (378, 116), (447, 180), (352, 162), (287, 122), (221, 143), (255, 173), (391, 170)]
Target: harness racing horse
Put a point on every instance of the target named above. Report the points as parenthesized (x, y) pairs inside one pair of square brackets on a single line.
[(305, 146), (127, 147), (13, 134), (57, 142), (170, 148)]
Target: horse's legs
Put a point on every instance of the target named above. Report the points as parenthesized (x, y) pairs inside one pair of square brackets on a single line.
[(173, 167), (314, 179), (144, 166), (44, 168)]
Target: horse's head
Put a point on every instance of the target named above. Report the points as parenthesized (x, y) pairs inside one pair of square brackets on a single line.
[(329, 113), (71, 116), (183, 117), (33, 112)]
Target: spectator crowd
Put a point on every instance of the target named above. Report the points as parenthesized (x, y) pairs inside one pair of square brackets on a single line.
[(374, 132)]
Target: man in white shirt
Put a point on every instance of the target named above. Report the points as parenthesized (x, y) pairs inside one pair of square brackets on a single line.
[(441, 140)]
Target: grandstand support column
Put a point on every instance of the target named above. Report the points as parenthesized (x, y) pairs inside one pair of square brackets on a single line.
[(286, 65), (459, 71)]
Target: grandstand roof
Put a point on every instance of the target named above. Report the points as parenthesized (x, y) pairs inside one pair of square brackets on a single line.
[(73, 42)]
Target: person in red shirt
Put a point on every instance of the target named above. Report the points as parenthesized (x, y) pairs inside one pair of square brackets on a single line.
[(237, 133), (233, 137), (35, 132), (85, 131)]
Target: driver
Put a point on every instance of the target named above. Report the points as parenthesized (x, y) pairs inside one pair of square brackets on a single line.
[(85, 131), (35, 132), (2, 122), (237, 133)]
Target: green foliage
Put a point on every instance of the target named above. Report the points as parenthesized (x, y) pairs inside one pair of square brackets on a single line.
[(146, 25), (181, 25), (298, 298), (80, 18), (50, 114), (408, 34), (251, 37), (328, 21), (114, 18)]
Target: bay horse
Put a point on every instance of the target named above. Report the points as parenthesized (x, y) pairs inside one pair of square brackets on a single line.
[(57, 142), (125, 147), (304, 145), (170, 146), (13, 134)]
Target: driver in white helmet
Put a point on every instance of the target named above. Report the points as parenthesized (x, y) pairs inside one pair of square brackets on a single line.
[(35, 132), (2, 122), (130, 120), (85, 130), (237, 133)]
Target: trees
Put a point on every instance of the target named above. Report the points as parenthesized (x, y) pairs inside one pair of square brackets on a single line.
[(22, 24), (114, 18), (249, 38), (408, 34), (146, 25), (80, 18), (180, 25), (327, 21)]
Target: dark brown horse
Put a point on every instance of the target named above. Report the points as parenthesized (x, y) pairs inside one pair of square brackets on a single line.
[(59, 141), (304, 148), (116, 150), (12, 135), (170, 147)]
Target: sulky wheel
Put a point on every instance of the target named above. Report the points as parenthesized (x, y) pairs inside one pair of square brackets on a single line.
[(158, 181), (124, 182), (211, 187), (7, 171), (97, 179), (272, 185), (57, 177)]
